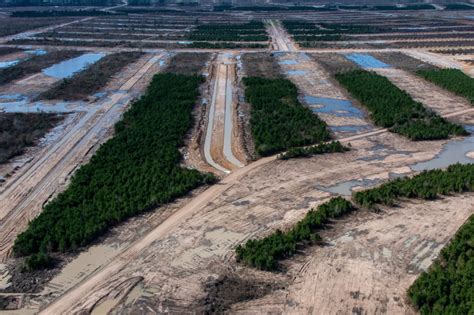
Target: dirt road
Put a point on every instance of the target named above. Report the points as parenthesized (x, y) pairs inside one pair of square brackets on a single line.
[(280, 39), (23, 197), (219, 141)]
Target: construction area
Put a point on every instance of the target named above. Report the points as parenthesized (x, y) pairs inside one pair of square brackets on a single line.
[(66, 87)]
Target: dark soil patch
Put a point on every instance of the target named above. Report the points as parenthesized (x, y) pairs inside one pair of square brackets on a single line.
[(188, 63)]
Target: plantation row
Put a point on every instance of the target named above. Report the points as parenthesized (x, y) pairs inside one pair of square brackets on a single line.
[(393, 108), (301, 152), (264, 253), (252, 31), (457, 178), (278, 120), (448, 286), (307, 28), (222, 45), (453, 80), (135, 171)]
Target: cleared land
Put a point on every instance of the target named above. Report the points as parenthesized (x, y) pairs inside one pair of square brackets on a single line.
[(179, 257)]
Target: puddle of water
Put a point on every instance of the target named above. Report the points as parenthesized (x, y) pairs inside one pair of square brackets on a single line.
[(288, 62), (333, 106), (185, 42), (19, 103), (345, 188), (6, 64), (296, 72), (36, 52), (455, 151), (66, 69), (366, 61), (350, 128)]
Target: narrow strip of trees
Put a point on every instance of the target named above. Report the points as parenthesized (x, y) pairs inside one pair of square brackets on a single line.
[(457, 178), (264, 253), (278, 120), (453, 80), (135, 171), (302, 152), (393, 108)]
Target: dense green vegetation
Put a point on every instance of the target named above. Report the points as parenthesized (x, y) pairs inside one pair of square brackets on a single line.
[(453, 80), (251, 32), (456, 178), (448, 286), (52, 13), (278, 120), (393, 108), (92, 79), (35, 64), (222, 45), (268, 8), (300, 152), (403, 8), (264, 253), (20, 130), (458, 6), (38, 261), (135, 171)]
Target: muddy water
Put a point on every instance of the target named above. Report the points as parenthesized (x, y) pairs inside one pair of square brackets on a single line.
[(19, 103), (288, 62), (9, 63), (67, 68), (366, 61), (333, 106), (345, 188), (296, 72), (455, 151)]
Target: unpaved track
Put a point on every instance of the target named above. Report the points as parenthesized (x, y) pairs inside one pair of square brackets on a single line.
[(23, 198), (280, 39), (218, 143)]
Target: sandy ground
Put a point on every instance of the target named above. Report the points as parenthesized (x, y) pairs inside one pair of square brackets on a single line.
[(368, 262), (159, 262)]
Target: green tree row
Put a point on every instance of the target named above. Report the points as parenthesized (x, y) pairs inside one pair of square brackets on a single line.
[(457, 178), (448, 286), (264, 253), (393, 108), (301, 152), (135, 171), (252, 31), (278, 120), (453, 80)]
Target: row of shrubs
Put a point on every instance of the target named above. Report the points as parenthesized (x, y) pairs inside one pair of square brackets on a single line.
[(264, 253), (393, 108), (301, 152)]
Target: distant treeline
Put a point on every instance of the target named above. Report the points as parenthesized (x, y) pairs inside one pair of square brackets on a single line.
[(52, 13), (393, 108), (15, 3)]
